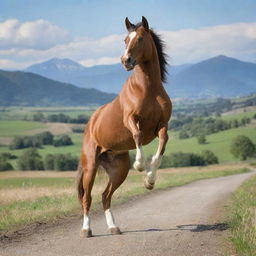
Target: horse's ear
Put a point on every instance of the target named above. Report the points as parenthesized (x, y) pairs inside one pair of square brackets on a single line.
[(145, 23), (128, 24)]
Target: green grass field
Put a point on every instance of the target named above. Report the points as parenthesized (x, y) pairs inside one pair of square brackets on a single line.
[(11, 128), (239, 116), (243, 218), (219, 143)]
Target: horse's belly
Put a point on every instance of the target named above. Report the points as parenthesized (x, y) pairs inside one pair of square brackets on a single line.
[(120, 138)]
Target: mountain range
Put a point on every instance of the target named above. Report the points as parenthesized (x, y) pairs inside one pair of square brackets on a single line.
[(28, 89), (220, 76), (60, 82)]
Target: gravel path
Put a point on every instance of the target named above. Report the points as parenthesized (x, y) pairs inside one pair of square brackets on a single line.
[(186, 220)]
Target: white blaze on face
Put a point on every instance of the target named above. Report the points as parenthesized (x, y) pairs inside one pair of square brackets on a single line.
[(110, 219), (132, 35)]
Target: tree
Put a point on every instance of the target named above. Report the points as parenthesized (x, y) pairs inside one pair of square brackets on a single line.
[(183, 134), (4, 164), (201, 139), (209, 157), (17, 143), (49, 162), (63, 140), (45, 138), (39, 117), (242, 147), (30, 160)]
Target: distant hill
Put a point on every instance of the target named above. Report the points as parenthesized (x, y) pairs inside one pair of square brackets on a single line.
[(28, 89), (107, 78), (220, 76)]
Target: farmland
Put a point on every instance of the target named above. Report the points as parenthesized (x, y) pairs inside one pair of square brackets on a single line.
[(42, 196), (218, 143)]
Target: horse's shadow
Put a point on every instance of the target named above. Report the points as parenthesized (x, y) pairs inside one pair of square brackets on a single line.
[(188, 227)]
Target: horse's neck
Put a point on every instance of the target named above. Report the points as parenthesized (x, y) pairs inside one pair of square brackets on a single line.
[(147, 75)]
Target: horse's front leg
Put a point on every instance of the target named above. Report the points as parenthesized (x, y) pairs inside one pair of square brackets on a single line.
[(156, 159), (133, 126)]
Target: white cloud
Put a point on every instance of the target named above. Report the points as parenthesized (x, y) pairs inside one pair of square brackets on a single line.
[(39, 34), (183, 46), (100, 61), (192, 45)]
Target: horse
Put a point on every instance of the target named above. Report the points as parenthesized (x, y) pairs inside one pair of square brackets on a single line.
[(138, 115)]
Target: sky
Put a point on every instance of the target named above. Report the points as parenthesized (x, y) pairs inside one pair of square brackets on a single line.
[(91, 32)]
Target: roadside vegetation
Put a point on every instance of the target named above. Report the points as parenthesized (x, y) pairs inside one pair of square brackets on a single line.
[(243, 218), (31, 197)]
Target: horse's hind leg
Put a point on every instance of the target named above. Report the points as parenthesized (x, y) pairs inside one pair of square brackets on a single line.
[(89, 165), (117, 167), (156, 159)]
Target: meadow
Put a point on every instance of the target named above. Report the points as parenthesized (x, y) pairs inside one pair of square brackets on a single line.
[(243, 218), (42, 196), (219, 143)]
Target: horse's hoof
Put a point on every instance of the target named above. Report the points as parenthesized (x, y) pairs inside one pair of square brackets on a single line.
[(115, 231), (138, 166), (86, 233), (148, 185)]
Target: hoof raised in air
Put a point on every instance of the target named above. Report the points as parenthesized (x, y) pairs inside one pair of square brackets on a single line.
[(138, 166), (86, 233), (148, 185)]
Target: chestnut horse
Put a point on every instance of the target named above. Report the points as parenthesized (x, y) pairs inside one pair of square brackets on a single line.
[(134, 118)]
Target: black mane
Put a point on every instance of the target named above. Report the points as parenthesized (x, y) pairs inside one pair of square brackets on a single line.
[(162, 56)]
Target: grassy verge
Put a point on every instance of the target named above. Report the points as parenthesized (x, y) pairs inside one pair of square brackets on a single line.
[(243, 218), (29, 197)]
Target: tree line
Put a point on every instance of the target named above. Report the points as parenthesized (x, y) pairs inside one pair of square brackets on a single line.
[(191, 127), (60, 118), (40, 139)]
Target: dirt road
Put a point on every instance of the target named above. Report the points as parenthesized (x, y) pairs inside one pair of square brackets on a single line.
[(186, 220)]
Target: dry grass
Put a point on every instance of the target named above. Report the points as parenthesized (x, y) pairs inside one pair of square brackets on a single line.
[(240, 110), (71, 174), (28, 197)]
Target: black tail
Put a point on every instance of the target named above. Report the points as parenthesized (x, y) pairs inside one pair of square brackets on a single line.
[(80, 188)]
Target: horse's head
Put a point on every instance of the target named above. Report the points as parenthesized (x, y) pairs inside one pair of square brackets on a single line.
[(138, 44)]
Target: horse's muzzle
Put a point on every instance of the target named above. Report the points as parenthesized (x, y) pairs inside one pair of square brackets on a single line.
[(128, 62)]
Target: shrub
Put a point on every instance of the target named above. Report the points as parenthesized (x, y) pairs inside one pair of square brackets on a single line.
[(183, 134), (17, 143), (209, 157), (4, 164), (39, 117), (242, 147), (30, 160), (63, 140), (78, 129), (62, 162), (182, 159), (45, 138), (201, 139), (49, 162)]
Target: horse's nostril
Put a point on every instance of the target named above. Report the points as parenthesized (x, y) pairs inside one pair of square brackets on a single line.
[(129, 59)]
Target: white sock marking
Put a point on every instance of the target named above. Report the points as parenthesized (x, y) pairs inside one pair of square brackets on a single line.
[(86, 223), (131, 36), (110, 219), (155, 163), (139, 159)]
